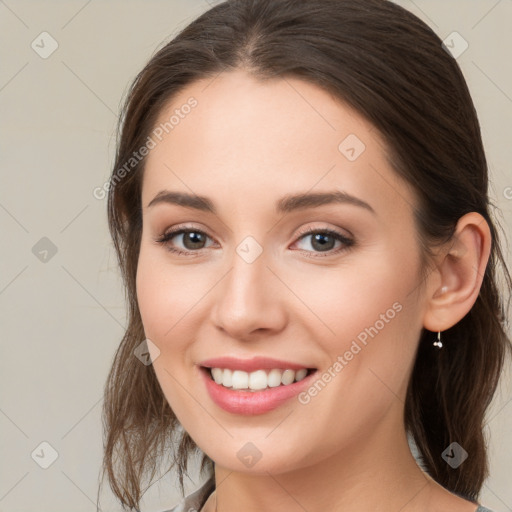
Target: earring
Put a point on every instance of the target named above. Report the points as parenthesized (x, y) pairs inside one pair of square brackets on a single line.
[(438, 343)]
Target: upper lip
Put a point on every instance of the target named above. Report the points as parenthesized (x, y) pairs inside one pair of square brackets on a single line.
[(249, 365)]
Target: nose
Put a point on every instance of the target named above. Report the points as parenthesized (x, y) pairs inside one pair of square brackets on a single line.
[(250, 300)]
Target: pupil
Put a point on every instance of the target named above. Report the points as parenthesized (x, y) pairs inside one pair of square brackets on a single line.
[(194, 238), (319, 238)]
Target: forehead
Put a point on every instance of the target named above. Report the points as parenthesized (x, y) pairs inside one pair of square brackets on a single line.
[(257, 139)]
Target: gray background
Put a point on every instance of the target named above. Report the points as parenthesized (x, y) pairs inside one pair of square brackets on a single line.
[(63, 314)]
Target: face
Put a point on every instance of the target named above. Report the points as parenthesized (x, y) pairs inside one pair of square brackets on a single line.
[(246, 280)]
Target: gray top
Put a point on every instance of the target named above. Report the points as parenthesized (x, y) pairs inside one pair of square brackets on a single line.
[(195, 501)]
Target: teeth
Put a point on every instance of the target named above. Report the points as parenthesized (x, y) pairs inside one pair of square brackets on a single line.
[(257, 380), (274, 378)]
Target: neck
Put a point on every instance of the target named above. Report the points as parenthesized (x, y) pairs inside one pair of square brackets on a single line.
[(375, 473)]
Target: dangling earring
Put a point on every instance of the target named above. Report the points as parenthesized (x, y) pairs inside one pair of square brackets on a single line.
[(438, 343)]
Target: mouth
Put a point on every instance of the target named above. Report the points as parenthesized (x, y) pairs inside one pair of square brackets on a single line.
[(257, 390), (257, 380)]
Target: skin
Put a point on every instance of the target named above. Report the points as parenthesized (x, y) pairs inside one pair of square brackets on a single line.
[(246, 145)]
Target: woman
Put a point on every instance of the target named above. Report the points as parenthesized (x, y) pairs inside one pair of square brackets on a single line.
[(299, 207)]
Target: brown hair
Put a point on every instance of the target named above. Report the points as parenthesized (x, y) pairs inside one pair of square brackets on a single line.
[(390, 66)]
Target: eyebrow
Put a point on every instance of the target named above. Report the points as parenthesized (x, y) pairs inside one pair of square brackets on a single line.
[(286, 204)]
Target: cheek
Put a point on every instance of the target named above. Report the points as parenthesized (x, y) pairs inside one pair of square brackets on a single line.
[(168, 297), (164, 301), (369, 317), (366, 290), (159, 302)]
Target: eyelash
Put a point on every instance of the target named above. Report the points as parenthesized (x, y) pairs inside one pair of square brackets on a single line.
[(346, 241)]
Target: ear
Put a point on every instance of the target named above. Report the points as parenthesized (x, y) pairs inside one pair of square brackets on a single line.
[(455, 284)]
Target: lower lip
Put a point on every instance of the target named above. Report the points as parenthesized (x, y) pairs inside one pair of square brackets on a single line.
[(252, 402)]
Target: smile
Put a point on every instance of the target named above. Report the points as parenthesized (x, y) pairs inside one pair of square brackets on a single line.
[(257, 380), (270, 394)]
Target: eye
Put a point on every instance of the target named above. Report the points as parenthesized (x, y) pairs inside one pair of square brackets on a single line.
[(323, 241), (194, 240)]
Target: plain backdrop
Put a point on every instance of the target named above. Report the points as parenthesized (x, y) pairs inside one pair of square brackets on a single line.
[(61, 299)]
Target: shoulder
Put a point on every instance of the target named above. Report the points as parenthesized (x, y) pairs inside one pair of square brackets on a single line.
[(196, 500)]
